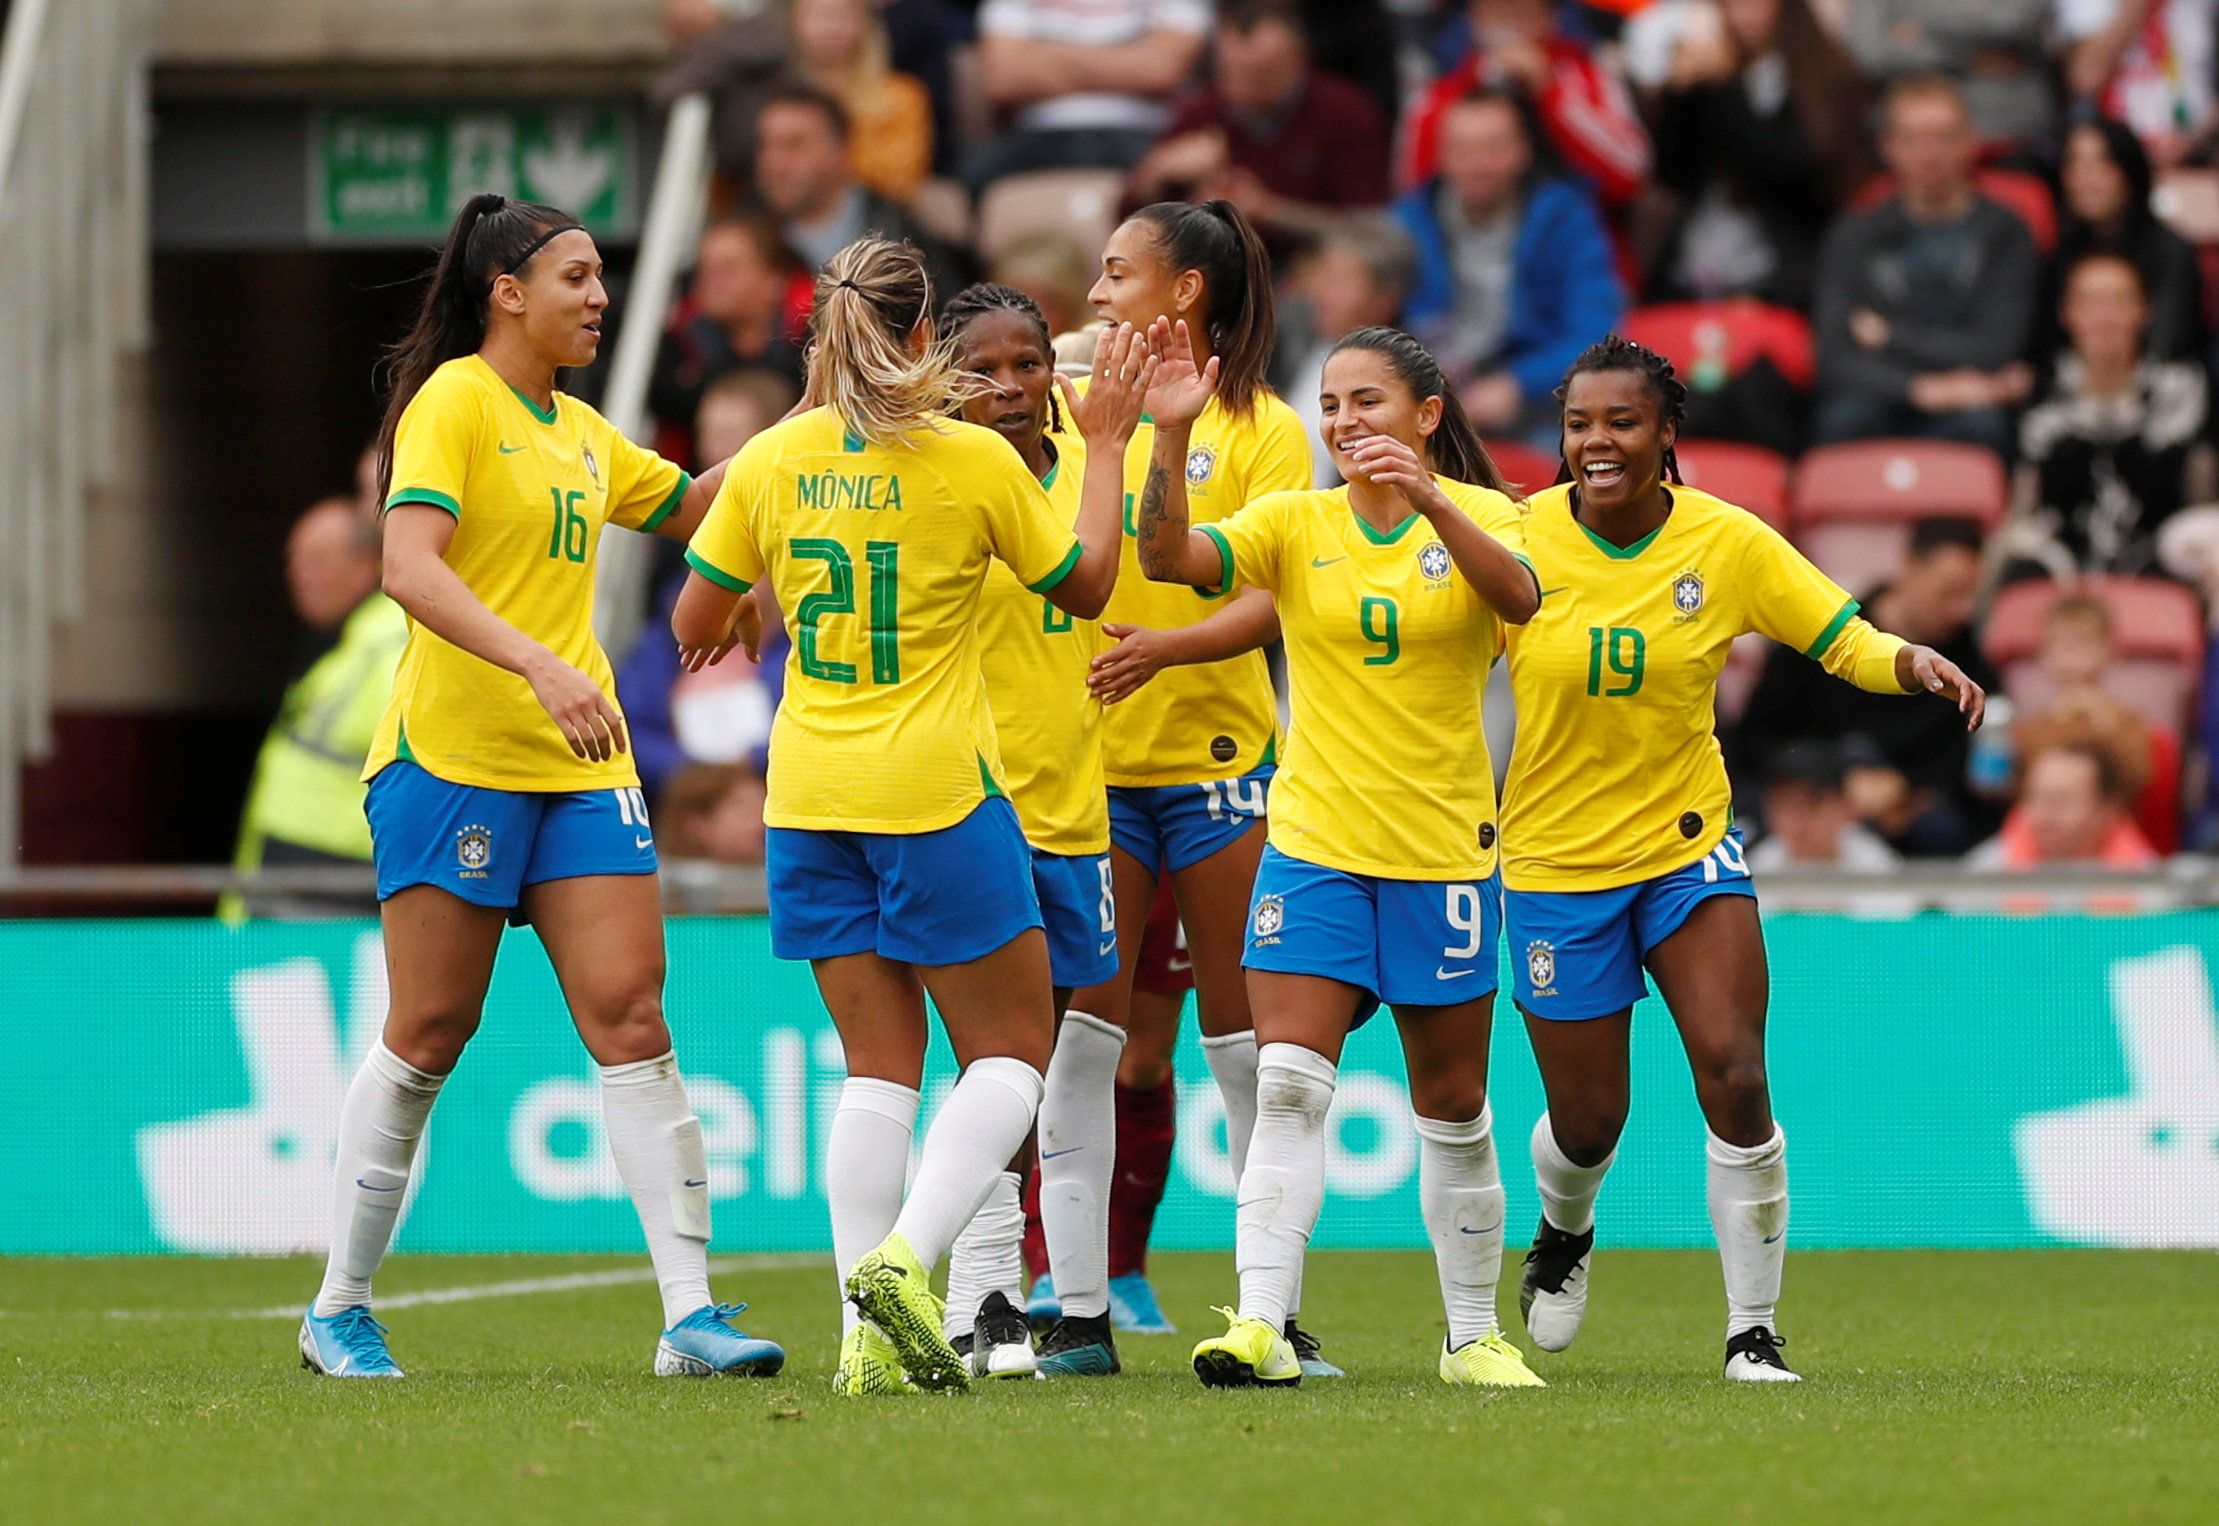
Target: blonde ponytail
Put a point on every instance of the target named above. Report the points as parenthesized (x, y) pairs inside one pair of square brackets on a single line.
[(870, 298)]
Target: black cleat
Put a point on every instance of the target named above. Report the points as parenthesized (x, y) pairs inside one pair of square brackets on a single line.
[(1754, 1357), (1079, 1346), (1553, 1293)]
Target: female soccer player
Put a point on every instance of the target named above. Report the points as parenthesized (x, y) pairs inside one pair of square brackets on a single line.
[(499, 784), (1619, 850), (1379, 882), (896, 863), (1189, 757)]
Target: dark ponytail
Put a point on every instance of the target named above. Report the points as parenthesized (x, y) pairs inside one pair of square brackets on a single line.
[(492, 237), (1217, 239), (1454, 449), (1615, 352)]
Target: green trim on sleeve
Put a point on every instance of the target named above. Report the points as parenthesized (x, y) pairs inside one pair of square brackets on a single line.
[(1062, 569), (430, 495), (714, 574), (670, 504), (1225, 550), (1834, 627)]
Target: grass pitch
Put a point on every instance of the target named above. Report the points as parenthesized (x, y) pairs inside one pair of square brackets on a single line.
[(1940, 1386)]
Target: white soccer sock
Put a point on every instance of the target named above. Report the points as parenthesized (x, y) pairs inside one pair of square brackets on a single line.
[(1460, 1196), (1232, 1061), (979, 1127), (1749, 1215), (380, 1124), (1284, 1185), (988, 1257), (1078, 1152), (1567, 1190), (656, 1140), (866, 1160)]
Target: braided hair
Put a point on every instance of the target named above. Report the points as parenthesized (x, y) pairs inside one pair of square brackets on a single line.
[(1615, 352), (1454, 450), (983, 297)]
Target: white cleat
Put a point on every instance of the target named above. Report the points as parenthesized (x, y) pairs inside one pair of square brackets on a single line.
[(1553, 1292), (1754, 1357), (1001, 1341)]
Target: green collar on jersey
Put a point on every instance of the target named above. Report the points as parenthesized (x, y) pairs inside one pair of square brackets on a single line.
[(544, 415), (1384, 537)]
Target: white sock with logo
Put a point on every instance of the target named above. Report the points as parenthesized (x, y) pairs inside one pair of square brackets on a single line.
[(866, 1161), (1460, 1196), (1284, 1185), (1567, 1190), (1078, 1153), (656, 1140), (977, 1130), (1748, 1191), (380, 1125), (988, 1257)]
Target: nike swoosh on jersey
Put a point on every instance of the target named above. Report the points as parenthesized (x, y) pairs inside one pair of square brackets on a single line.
[(510, 450), (1326, 561)]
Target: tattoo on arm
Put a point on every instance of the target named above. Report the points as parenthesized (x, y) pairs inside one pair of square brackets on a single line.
[(1152, 560)]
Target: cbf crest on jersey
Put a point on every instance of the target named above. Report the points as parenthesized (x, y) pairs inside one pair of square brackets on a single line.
[(1433, 561), (1201, 461), (1687, 595), (474, 850), (1541, 967), (1271, 915), (593, 467)]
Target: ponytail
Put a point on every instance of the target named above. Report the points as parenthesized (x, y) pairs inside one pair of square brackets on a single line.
[(491, 237), (1217, 240), (1454, 449), (869, 299)]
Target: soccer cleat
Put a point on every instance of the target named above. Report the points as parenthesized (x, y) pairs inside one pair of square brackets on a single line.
[(892, 1288), (1489, 1362), (1133, 1306), (1001, 1345), (1249, 1354), (1079, 1346), (1754, 1357), (1042, 1306), (1306, 1351), (868, 1364), (348, 1344), (704, 1345), (1553, 1294)]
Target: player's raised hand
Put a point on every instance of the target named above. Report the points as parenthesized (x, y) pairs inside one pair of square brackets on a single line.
[(1181, 389), (1936, 674), (1117, 392), (1125, 668), (1387, 462), (588, 719)]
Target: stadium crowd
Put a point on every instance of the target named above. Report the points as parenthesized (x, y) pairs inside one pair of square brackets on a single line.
[(1939, 277)]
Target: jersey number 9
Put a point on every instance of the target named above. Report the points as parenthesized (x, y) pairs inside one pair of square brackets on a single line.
[(1376, 618), (885, 564)]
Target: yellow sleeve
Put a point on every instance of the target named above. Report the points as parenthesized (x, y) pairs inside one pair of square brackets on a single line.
[(1799, 606), (1018, 521), (725, 549), (643, 487), (1282, 462), (436, 440), (1249, 541), (1864, 655), (1505, 520)]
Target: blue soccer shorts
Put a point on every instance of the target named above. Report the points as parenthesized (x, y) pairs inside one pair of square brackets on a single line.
[(487, 846)]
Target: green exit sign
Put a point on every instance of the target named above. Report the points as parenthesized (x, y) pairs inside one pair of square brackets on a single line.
[(399, 175)]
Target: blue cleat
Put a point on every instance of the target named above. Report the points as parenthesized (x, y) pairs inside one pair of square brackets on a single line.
[(1314, 1364), (704, 1345), (1042, 1306), (1078, 1347), (348, 1344), (1133, 1306)]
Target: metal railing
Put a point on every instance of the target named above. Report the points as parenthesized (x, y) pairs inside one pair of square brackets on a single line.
[(73, 241)]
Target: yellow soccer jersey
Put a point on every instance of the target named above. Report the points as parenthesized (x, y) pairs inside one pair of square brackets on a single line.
[(878, 556), (1034, 657), (1617, 776), (1213, 720), (1386, 770), (530, 492)]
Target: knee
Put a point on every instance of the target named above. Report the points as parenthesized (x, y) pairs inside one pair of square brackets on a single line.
[(1451, 1097), (1587, 1136), (627, 1030), (1737, 1099), (1294, 1082), (433, 1040), (1139, 1068)]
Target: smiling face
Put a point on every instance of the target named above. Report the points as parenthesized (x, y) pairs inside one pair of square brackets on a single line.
[(1137, 284), (558, 298), (1614, 437), (1360, 396), (1006, 348)]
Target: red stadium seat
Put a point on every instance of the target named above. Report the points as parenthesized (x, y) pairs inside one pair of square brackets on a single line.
[(1747, 475), (1079, 204), (1526, 469), (2024, 196), (1854, 504), (1736, 333), (2157, 630)]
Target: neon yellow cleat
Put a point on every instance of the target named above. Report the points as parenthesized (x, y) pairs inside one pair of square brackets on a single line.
[(868, 1364), (1489, 1362), (892, 1288), (1250, 1354)]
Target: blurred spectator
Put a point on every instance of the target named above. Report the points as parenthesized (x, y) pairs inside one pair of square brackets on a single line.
[(2106, 210), (2076, 659), (1584, 109), (805, 179), (2106, 452), (931, 42), (1807, 820), (1516, 274), (1998, 48), (2147, 62), (304, 805), (1358, 37), (840, 47), (712, 812), (1292, 146), (1359, 274), (2072, 810), (744, 280), (1090, 81), (1925, 302), (1911, 790), (1761, 133), (2188, 549), (736, 51), (1054, 272)]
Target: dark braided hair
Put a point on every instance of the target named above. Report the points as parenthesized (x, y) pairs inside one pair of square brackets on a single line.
[(983, 297), (1454, 450), (1615, 352)]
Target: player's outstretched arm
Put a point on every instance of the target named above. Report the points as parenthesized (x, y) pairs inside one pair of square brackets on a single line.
[(1507, 584), (709, 620), (1921, 669), (1170, 551), (1117, 393), (694, 507), (1248, 622)]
